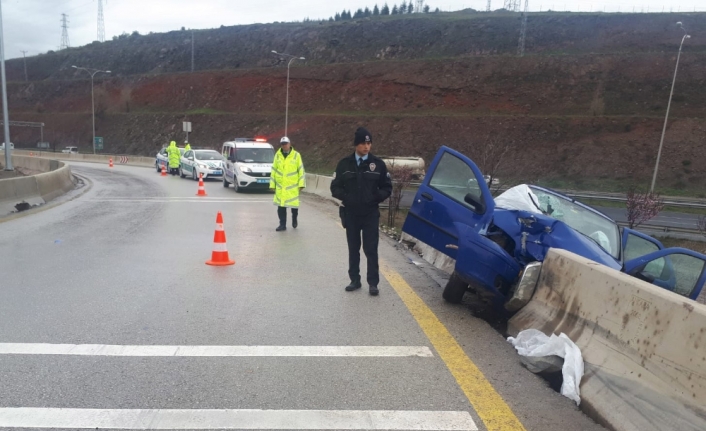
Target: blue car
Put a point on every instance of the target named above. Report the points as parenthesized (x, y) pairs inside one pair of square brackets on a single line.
[(499, 244)]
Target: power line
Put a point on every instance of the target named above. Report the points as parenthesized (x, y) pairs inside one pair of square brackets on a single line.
[(24, 56), (64, 32), (101, 22), (523, 31)]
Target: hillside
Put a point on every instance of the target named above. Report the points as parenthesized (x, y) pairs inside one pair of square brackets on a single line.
[(585, 105)]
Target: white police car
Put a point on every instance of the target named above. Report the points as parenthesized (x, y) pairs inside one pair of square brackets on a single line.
[(208, 163), (162, 159)]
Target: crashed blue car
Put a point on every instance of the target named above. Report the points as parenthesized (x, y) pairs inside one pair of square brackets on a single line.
[(499, 244)]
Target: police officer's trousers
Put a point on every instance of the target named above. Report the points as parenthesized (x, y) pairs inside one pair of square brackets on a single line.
[(368, 224)]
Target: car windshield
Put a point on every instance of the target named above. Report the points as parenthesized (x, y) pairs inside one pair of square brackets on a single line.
[(255, 155), (207, 155), (602, 230)]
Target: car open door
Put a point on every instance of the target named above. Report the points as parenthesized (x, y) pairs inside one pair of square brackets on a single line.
[(636, 244), (452, 198), (677, 269)]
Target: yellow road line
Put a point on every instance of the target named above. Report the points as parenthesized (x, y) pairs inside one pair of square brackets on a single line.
[(490, 406)]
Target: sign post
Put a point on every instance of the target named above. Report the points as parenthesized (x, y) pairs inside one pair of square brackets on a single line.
[(187, 129)]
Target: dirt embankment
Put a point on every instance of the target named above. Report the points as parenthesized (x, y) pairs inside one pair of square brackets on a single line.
[(576, 117)]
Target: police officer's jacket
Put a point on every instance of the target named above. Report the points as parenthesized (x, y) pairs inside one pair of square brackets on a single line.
[(361, 188), (287, 178)]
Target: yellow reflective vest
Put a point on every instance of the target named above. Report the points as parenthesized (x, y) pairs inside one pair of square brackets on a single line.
[(174, 155), (286, 178)]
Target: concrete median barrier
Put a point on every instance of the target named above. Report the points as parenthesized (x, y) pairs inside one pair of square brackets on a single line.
[(53, 178), (644, 347)]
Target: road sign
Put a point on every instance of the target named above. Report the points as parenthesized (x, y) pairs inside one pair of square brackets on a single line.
[(187, 126), (98, 143)]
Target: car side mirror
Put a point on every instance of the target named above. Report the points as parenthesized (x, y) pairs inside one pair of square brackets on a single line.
[(478, 206)]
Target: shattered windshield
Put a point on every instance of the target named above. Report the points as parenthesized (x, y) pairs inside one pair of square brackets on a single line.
[(602, 230)]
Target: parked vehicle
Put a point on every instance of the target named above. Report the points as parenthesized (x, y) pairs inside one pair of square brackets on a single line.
[(499, 244), (415, 163), (248, 163), (162, 159), (70, 150), (2, 146), (194, 163)]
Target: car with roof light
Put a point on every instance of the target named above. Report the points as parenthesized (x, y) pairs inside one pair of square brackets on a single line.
[(198, 162), (247, 163)]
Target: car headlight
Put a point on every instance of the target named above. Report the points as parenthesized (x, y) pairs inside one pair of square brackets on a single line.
[(202, 166), (245, 169)]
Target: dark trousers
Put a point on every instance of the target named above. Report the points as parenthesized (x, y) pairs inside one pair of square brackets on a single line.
[(282, 213), (368, 224)]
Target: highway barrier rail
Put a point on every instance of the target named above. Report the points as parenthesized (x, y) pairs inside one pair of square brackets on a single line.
[(644, 347)]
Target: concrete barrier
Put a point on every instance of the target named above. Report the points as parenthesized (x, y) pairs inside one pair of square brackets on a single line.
[(644, 347), (90, 158), (52, 180)]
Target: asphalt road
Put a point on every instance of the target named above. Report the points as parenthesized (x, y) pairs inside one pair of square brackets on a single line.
[(91, 288)]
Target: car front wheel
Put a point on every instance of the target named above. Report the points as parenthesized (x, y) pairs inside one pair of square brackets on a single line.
[(156, 165), (455, 289), (181, 172), (225, 182)]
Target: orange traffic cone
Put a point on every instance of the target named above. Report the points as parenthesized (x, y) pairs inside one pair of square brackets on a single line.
[(202, 190), (31, 154), (220, 257), (164, 170), (110, 165)]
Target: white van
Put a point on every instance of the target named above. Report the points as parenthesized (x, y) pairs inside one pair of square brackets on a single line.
[(2, 146), (248, 163)]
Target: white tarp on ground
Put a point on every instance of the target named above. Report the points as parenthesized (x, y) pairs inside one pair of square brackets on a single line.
[(519, 198), (532, 342)]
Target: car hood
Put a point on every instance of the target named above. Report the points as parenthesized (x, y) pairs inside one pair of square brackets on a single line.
[(534, 234)]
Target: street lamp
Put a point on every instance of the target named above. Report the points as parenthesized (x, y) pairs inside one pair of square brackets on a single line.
[(286, 105), (5, 115), (664, 129), (92, 72)]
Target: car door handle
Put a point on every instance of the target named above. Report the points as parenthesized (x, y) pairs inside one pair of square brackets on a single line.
[(427, 196)]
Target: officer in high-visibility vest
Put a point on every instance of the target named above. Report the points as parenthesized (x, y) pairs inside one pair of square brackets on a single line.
[(174, 158), (187, 147), (287, 179)]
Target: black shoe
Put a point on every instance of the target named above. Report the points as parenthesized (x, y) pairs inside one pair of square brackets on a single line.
[(374, 290), (280, 228), (294, 222), (353, 286)]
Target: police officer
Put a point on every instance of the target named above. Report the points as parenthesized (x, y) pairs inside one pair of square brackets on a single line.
[(361, 181), (174, 158), (287, 179)]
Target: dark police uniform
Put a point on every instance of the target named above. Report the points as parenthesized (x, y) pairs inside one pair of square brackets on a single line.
[(362, 188)]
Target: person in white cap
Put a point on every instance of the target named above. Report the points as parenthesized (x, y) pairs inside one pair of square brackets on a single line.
[(287, 179)]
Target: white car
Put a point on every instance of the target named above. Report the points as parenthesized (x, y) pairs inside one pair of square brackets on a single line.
[(162, 159), (248, 164), (208, 163), (70, 150), (2, 146)]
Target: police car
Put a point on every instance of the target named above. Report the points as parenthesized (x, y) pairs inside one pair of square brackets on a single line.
[(208, 163), (248, 163), (162, 159)]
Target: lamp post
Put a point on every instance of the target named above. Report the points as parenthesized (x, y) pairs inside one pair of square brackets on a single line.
[(92, 72), (286, 105), (5, 115), (666, 117)]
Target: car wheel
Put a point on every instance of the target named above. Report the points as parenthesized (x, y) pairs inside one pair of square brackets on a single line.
[(181, 172), (225, 182), (455, 289), (235, 184), (156, 165), (193, 174)]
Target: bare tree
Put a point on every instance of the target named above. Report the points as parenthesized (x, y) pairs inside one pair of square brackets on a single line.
[(401, 179), (492, 156), (641, 207)]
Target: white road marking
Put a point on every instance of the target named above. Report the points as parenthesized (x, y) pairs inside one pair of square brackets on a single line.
[(210, 351), (182, 200), (235, 419)]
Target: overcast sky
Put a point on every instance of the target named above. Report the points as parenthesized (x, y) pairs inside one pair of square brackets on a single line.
[(35, 25)]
